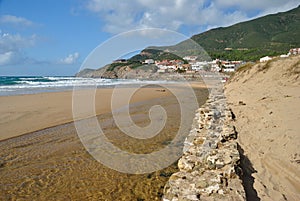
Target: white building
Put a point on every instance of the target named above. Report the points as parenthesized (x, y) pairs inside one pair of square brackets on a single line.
[(284, 55), (265, 59), (190, 58), (229, 68), (295, 51), (214, 65), (149, 61), (199, 65)]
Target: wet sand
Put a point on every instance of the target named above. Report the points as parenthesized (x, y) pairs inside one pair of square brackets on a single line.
[(52, 164)]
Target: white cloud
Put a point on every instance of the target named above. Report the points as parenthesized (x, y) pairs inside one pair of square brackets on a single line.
[(15, 41), (6, 57), (11, 47), (70, 59), (11, 19), (119, 16)]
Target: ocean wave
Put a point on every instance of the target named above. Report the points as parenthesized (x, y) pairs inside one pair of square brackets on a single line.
[(36, 84)]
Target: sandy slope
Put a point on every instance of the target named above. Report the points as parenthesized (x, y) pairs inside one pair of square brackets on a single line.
[(266, 101)]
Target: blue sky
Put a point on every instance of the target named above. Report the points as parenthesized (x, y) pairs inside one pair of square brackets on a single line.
[(53, 37)]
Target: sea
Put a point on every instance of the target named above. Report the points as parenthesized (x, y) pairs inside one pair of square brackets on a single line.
[(18, 85)]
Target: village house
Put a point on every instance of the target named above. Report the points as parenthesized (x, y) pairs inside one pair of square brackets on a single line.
[(294, 51), (186, 67), (265, 59), (230, 66), (284, 55), (169, 64), (227, 66), (214, 65), (149, 61), (199, 65), (196, 66), (190, 58)]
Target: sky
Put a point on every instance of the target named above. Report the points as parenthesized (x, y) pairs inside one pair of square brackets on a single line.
[(55, 37)]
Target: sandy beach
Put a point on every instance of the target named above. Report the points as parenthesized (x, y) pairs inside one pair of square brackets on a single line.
[(265, 101), (51, 162), (27, 113)]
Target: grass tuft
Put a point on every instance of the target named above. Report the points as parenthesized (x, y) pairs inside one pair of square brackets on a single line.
[(245, 67), (265, 66)]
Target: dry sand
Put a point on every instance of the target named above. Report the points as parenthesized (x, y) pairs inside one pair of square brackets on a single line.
[(266, 102), (52, 164), (26, 113)]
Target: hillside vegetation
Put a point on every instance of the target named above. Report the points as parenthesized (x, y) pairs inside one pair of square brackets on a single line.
[(270, 35)]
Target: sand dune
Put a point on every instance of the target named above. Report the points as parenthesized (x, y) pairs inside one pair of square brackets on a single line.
[(265, 99)]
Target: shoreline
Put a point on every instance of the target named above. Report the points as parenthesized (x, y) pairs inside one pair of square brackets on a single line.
[(82, 82), (26, 113)]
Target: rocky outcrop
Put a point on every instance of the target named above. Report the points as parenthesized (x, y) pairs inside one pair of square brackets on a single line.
[(91, 73), (209, 167), (120, 72)]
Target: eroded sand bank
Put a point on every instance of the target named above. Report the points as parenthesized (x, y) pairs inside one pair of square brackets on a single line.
[(265, 100)]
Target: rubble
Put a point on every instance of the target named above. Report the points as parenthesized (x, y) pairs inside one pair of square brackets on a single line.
[(209, 166)]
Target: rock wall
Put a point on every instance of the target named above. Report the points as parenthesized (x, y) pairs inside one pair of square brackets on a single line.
[(209, 167)]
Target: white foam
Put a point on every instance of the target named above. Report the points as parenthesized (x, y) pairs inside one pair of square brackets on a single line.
[(61, 83)]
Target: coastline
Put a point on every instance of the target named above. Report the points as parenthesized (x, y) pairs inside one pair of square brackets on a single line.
[(22, 114)]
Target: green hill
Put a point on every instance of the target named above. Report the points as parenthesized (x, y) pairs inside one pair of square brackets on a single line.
[(155, 53), (269, 35)]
